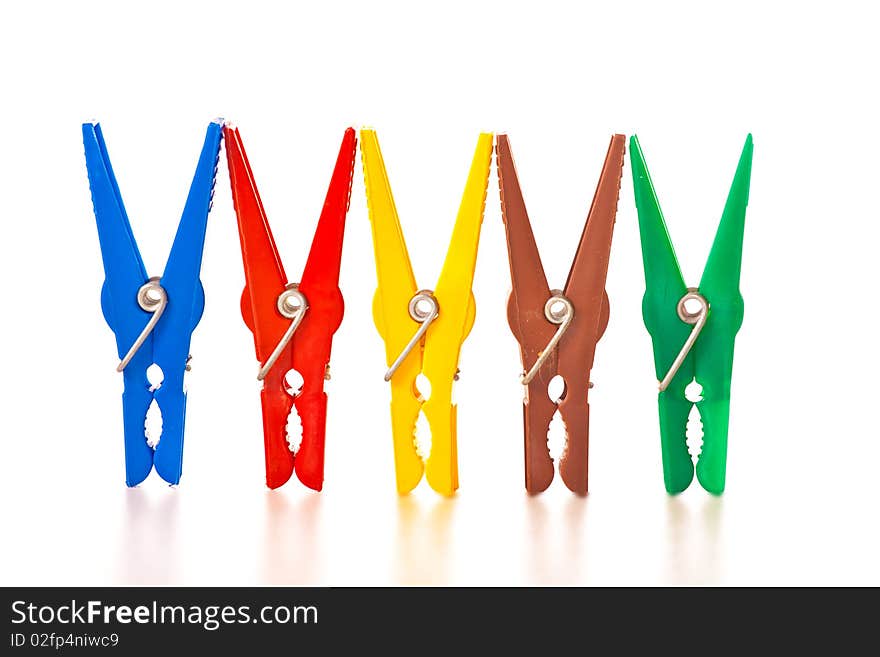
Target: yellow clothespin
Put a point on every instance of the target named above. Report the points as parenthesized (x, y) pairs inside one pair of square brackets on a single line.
[(423, 330)]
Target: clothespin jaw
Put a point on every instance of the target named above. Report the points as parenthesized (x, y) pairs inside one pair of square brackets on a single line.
[(293, 324), (124, 274), (186, 303), (448, 332), (714, 358), (396, 287), (423, 331), (558, 329), (153, 319), (699, 344), (528, 322), (314, 338)]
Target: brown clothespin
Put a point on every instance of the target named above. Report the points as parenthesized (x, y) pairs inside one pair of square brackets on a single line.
[(557, 330)]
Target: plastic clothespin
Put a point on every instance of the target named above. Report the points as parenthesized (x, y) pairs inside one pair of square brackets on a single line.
[(423, 330), (293, 323), (693, 329), (557, 330), (153, 318)]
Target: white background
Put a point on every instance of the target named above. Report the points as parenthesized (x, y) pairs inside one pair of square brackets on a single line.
[(802, 500)]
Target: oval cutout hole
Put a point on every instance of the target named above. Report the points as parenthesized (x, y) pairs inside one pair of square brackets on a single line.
[(556, 389), (693, 392), (423, 387), (293, 383), (155, 376)]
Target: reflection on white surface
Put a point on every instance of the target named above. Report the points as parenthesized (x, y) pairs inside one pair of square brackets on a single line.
[(292, 541), (422, 554), (160, 536), (574, 516), (148, 551), (693, 548), (555, 550)]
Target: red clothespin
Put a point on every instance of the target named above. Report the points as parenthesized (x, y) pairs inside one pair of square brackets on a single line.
[(292, 323)]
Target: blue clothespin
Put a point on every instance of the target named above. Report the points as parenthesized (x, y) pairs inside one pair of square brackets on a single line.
[(153, 318)]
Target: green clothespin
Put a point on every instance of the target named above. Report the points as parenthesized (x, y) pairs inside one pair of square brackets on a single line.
[(693, 329)]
